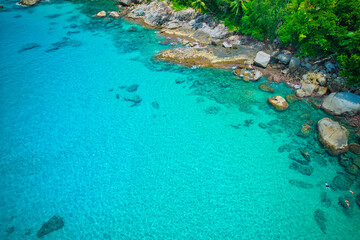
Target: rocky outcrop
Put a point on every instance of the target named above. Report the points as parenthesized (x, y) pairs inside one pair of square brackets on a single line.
[(262, 59), (53, 224), (186, 15), (278, 102), (101, 14), (202, 57), (157, 14), (341, 103), (29, 3), (306, 90), (333, 136)]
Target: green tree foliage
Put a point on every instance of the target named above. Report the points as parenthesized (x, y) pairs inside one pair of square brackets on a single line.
[(325, 27)]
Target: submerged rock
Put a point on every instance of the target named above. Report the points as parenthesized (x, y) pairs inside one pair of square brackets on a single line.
[(278, 102), (357, 199), (290, 98), (135, 99), (298, 158), (354, 148), (333, 136), (266, 88), (320, 219), (29, 3), (326, 202), (54, 223), (132, 88), (300, 184), (305, 170), (262, 59), (306, 130), (342, 182), (29, 46), (155, 105), (341, 103)]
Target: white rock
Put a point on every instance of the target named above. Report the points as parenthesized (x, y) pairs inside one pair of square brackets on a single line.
[(262, 59)]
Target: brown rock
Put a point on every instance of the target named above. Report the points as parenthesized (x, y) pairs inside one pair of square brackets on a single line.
[(290, 98), (306, 130), (278, 102), (333, 136), (1, 6), (101, 14), (266, 88), (355, 148), (237, 72)]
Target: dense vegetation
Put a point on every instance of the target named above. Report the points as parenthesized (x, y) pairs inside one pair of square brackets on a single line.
[(314, 27)]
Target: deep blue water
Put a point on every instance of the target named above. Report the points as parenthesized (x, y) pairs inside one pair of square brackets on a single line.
[(190, 161)]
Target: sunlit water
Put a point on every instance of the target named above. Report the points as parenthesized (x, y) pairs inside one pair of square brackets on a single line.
[(189, 161)]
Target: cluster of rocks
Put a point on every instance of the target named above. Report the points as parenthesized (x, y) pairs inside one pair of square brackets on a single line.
[(112, 14), (29, 3)]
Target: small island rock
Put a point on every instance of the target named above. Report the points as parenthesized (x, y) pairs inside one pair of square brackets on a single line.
[(101, 14), (266, 88), (278, 102), (333, 136)]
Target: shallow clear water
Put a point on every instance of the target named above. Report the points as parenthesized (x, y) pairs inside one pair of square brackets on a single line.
[(190, 161)]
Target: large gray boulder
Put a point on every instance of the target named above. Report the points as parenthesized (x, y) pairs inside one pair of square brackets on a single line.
[(29, 2), (186, 15), (262, 59), (126, 2), (284, 58), (158, 14), (294, 63), (341, 103), (218, 32), (333, 136)]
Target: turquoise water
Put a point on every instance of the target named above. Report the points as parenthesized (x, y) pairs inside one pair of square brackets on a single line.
[(189, 161)]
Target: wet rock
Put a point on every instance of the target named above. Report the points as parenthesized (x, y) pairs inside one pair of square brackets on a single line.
[(341, 103), (325, 201), (257, 75), (135, 99), (101, 14), (126, 2), (29, 3), (352, 169), (342, 182), (333, 136), (320, 219), (132, 88), (266, 88), (284, 58), (155, 105), (53, 224), (305, 155), (300, 184), (305, 170), (278, 102), (262, 59), (354, 148), (114, 14), (290, 98), (305, 131), (29, 46), (298, 158)]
